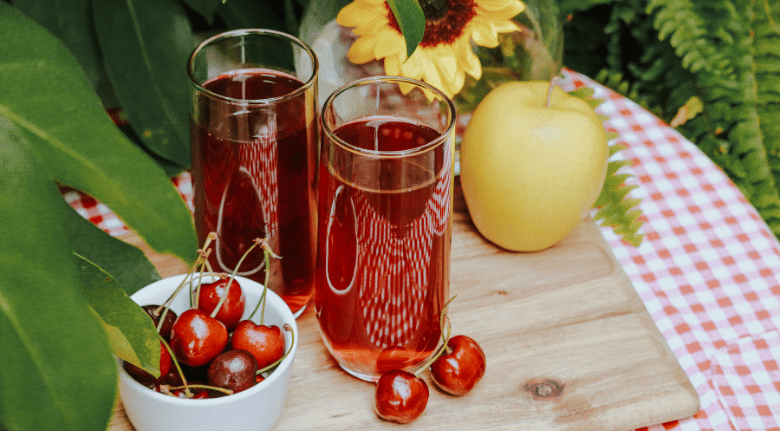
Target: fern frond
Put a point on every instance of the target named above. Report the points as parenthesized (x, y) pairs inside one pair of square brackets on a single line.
[(614, 208)]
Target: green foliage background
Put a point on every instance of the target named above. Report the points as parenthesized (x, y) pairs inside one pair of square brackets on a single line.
[(710, 67)]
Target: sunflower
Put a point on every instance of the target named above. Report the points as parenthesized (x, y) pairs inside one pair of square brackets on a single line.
[(444, 55)]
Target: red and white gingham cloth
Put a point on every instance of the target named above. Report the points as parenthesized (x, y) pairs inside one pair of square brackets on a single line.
[(708, 269)]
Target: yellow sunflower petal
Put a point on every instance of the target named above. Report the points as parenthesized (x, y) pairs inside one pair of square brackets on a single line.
[(469, 61), (389, 42), (371, 25), (362, 50), (457, 84), (484, 33), (414, 66), (446, 63), (431, 76), (356, 13), (511, 7), (393, 65)]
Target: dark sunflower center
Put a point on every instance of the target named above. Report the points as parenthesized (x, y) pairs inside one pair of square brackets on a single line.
[(444, 20), (434, 10)]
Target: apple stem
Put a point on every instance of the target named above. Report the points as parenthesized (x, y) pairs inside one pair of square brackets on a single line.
[(287, 327), (553, 80)]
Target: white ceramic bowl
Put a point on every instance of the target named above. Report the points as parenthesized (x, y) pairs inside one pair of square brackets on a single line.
[(255, 409)]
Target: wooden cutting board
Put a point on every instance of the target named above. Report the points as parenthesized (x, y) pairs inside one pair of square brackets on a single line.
[(568, 341)]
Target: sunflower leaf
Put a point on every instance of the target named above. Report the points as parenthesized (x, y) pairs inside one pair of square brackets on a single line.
[(411, 21)]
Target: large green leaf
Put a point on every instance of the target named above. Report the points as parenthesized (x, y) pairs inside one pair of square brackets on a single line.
[(44, 92), (411, 21), (70, 21), (206, 8), (317, 14), (127, 264), (250, 14), (145, 46), (57, 371), (131, 333)]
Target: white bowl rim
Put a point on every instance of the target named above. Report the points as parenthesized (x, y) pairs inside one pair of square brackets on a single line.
[(246, 284)]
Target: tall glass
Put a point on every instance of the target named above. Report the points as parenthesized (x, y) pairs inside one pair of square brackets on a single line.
[(255, 138), (385, 216)]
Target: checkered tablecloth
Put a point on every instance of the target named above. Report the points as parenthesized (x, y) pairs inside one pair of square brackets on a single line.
[(708, 269)]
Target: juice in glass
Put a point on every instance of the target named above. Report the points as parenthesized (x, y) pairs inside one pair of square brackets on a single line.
[(254, 155), (384, 237)]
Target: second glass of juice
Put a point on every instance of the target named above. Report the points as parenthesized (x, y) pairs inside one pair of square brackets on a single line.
[(255, 137), (385, 223)]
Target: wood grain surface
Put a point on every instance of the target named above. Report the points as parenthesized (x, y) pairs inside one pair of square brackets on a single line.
[(568, 341)]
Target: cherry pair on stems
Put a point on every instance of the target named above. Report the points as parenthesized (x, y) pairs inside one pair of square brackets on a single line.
[(211, 336), (401, 396)]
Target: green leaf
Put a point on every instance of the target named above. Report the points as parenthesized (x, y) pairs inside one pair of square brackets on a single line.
[(614, 206), (317, 14), (131, 333), (70, 21), (145, 46), (206, 8), (411, 21), (57, 371), (127, 264), (570, 6), (45, 94), (250, 14)]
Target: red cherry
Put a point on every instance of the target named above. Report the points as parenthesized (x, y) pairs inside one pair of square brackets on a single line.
[(155, 312), (231, 311), (197, 338), (265, 343), (400, 396), (459, 370), (234, 370), (144, 378)]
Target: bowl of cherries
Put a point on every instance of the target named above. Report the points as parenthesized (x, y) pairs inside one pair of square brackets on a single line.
[(226, 359)]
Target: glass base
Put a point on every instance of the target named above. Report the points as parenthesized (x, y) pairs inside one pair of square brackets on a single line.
[(365, 377), (299, 312), (373, 378)]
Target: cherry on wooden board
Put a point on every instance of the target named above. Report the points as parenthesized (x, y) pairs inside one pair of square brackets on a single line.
[(459, 369), (400, 396)]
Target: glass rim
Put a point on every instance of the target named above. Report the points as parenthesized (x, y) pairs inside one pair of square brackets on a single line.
[(443, 136), (253, 31)]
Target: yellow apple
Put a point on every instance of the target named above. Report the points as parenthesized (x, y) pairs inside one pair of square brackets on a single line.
[(531, 171)]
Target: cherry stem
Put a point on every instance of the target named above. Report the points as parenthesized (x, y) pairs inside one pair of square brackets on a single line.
[(442, 318), (288, 328), (268, 253), (176, 364), (187, 278), (195, 293), (197, 386), (553, 80), (230, 282)]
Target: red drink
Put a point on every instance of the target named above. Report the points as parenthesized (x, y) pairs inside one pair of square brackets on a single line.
[(383, 266), (253, 176)]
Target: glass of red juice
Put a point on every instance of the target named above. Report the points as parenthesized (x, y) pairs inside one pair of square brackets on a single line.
[(385, 223), (255, 143)]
